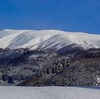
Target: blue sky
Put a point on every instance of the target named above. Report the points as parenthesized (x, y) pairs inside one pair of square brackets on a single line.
[(67, 15)]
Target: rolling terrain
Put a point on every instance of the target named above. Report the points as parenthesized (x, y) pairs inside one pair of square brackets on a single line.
[(47, 39)]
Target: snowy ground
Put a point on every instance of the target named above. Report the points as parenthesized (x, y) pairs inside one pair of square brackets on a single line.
[(49, 93)]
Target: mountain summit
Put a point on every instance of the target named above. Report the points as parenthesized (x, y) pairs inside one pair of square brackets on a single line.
[(47, 39)]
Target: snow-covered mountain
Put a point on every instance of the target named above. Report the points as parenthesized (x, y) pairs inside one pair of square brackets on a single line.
[(47, 39)]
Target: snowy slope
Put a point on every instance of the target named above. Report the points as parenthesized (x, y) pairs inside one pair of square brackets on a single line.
[(47, 39), (49, 93)]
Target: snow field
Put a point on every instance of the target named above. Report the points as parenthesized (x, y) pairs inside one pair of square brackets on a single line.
[(47, 39), (49, 92)]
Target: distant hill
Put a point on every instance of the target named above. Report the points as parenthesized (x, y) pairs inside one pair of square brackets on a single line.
[(48, 39)]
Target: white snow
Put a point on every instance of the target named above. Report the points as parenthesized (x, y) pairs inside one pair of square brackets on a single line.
[(47, 39), (49, 92)]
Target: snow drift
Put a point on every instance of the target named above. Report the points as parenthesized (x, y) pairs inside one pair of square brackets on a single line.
[(47, 39), (49, 93)]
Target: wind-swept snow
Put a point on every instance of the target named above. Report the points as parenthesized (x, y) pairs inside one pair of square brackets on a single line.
[(49, 93), (47, 39)]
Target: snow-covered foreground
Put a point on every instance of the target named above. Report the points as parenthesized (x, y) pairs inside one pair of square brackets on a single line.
[(49, 93)]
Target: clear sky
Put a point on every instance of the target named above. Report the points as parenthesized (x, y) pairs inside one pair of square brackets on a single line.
[(67, 15)]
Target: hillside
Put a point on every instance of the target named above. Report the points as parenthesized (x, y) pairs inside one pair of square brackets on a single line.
[(48, 39), (49, 57)]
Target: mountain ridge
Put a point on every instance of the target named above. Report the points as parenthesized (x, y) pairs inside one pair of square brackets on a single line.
[(47, 39)]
